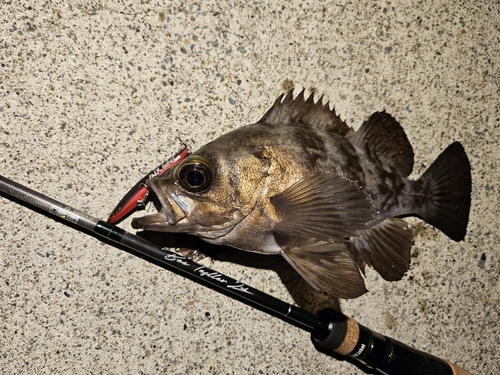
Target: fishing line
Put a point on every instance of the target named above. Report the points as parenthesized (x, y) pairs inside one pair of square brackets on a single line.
[(332, 332)]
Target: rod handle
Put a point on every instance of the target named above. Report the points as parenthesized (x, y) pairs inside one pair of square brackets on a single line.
[(346, 337)]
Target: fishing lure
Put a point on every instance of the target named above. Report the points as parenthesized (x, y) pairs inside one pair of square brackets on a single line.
[(137, 197)]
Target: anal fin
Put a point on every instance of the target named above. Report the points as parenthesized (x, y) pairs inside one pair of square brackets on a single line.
[(385, 247)]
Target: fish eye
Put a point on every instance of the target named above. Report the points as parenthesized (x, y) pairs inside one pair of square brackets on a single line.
[(195, 174)]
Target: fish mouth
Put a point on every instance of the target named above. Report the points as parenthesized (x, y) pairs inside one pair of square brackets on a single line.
[(169, 215)]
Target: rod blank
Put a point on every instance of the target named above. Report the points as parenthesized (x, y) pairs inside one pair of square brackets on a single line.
[(331, 331)]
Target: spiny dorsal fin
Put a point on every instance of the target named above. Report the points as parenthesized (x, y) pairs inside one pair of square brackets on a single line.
[(385, 140), (306, 112)]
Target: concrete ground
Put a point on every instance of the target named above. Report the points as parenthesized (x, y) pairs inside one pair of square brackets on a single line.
[(95, 94)]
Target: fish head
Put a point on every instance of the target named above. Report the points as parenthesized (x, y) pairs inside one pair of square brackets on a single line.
[(209, 192)]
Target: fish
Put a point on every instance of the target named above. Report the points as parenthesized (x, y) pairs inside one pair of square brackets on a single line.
[(303, 184)]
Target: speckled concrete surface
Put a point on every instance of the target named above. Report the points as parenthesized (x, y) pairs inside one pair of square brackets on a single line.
[(94, 94)]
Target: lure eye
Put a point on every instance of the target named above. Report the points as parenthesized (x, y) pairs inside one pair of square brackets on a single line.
[(195, 174)]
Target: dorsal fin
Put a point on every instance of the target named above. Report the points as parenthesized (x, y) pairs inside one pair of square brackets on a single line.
[(306, 112), (384, 138)]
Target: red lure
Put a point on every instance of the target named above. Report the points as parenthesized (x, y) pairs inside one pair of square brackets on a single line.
[(137, 196)]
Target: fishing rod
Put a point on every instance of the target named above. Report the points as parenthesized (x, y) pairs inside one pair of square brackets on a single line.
[(332, 332)]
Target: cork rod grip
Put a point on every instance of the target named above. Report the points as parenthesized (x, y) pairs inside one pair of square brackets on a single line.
[(346, 337)]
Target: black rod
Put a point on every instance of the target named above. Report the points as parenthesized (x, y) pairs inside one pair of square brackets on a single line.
[(332, 332)]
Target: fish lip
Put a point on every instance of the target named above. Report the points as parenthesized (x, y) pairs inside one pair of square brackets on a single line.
[(168, 216), (171, 205)]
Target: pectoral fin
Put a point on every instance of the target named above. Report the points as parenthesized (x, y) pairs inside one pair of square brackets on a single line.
[(326, 207), (324, 265)]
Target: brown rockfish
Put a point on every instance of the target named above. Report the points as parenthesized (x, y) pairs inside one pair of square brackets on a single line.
[(303, 184)]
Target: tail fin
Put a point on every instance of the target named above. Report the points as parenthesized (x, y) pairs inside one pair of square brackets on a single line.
[(449, 182)]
